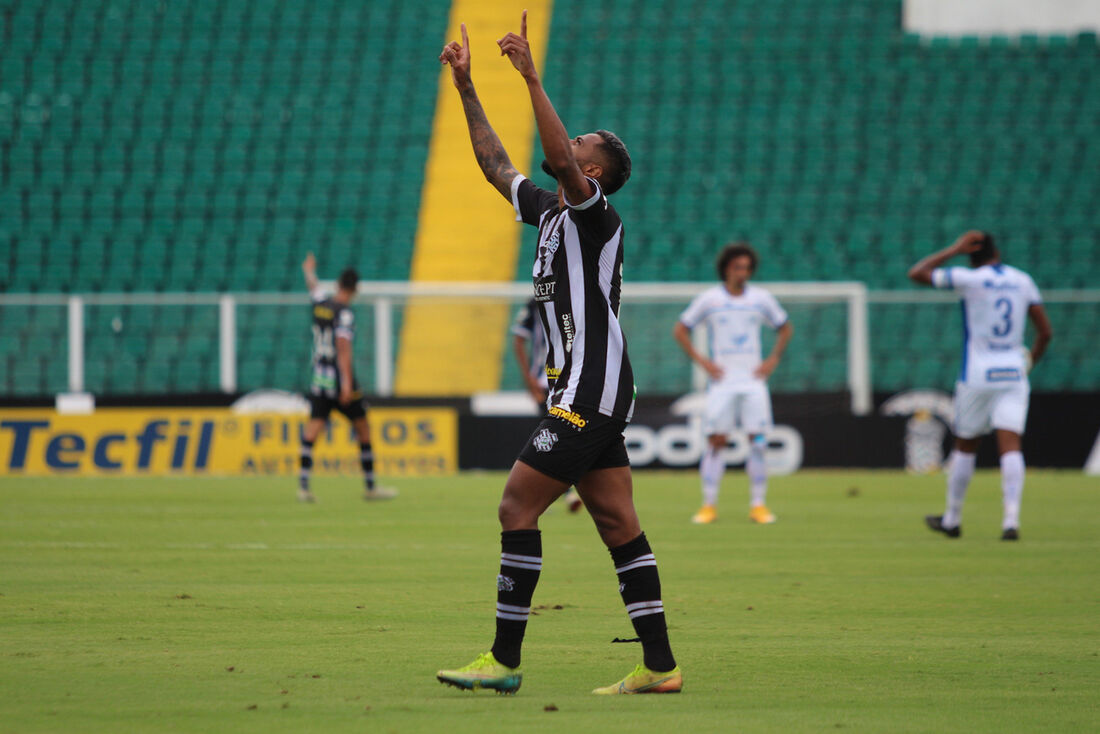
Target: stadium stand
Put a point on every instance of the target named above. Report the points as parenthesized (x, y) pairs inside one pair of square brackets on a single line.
[(204, 145)]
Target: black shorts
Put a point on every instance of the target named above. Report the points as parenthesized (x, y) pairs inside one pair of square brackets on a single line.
[(561, 449), (321, 406)]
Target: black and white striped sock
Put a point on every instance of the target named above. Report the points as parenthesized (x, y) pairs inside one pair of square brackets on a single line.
[(640, 587), (305, 464), (520, 565), (366, 461)]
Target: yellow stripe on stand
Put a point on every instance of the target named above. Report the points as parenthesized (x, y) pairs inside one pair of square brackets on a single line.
[(467, 231)]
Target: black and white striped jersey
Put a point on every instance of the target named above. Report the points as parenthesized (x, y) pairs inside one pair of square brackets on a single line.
[(332, 320), (577, 276)]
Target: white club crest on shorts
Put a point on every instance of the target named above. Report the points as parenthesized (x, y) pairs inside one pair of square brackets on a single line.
[(544, 440)]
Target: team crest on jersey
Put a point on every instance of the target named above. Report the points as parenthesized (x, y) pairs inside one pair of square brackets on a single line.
[(551, 245), (544, 440)]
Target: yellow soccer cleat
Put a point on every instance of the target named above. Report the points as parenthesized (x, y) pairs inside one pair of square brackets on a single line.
[(485, 672), (762, 515), (706, 515), (644, 680)]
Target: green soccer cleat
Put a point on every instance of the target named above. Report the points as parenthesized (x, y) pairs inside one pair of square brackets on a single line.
[(644, 680), (485, 672)]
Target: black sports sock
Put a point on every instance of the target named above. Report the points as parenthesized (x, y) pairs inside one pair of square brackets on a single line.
[(640, 587), (520, 565), (366, 460), (305, 465)]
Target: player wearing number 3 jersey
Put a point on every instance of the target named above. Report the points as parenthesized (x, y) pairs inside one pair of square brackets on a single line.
[(992, 390)]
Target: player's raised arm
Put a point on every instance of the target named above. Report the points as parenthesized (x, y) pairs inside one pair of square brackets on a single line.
[(556, 144), (309, 271), (490, 153), (921, 272)]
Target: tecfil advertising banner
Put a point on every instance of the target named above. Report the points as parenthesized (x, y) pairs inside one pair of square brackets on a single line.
[(181, 441)]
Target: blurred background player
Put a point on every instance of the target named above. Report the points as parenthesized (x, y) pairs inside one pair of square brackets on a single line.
[(577, 276), (333, 384), (992, 391), (737, 395), (530, 347)]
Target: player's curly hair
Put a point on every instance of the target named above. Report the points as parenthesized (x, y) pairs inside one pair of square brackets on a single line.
[(349, 279), (618, 160), (986, 252), (735, 250)]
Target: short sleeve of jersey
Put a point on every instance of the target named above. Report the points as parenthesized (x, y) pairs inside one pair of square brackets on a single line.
[(1031, 290), (595, 213), (951, 279), (345, 324), (318, 294), (773, 312), (524, 323), (695, 311), (530, 201)]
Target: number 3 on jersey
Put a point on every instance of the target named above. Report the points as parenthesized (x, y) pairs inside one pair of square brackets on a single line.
[(1004, 309)]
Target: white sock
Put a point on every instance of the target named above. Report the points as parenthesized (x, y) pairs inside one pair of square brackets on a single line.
[(1012, 487), (959, 472), (711, 469), (758, 473)]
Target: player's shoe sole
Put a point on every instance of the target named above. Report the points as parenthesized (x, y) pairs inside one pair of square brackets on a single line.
[(935, 522), (1010, 534), (484, 672), (644, 680)]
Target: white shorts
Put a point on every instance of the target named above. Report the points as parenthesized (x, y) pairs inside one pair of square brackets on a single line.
[(980, 409), (746, 406)]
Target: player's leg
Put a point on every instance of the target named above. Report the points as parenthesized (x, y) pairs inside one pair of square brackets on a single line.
[(319, 412), (970, 424), (755, 416), (358, 417), (527, 494), (608, 496), (1009, 419), (711, 468), (717, 423)]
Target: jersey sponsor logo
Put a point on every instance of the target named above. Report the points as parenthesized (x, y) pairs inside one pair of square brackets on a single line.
[(567, 329), (323, 312), (1002, 374), (544, 289), (994, 285), (545, 439), (568, 416)]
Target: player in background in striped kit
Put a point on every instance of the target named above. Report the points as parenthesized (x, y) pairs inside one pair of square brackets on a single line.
[(992, 391), (332, 384), (576, 274)]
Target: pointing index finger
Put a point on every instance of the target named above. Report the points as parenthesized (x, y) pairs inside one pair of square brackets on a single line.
[(465, 37), (523, 25)]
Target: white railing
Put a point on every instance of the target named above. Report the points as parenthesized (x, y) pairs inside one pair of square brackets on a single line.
[(383, 296)]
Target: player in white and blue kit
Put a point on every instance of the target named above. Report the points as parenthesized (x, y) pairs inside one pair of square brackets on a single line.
[(737, 396), (992, 391)]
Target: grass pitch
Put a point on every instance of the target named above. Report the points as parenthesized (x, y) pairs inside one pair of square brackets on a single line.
[(224, 605)]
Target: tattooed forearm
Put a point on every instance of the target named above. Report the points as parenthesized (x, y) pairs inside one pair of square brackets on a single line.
[(490, 153)]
